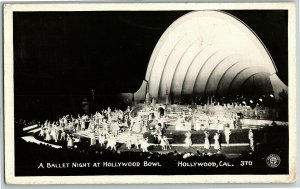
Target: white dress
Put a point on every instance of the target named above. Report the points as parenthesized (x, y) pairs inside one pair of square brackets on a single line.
[(217, 143), (53, 134), (115, 128), (251, 140), (136, 127), (227, 135), (63, 135), (93, 139), (145, 145), (70, 142), (206, 141), (82, 123), (101, 139), (188, 140)]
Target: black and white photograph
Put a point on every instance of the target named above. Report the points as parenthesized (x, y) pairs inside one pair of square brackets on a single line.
[(106, 91)]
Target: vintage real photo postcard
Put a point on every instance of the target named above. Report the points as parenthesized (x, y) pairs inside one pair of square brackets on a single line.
[(150, 93)]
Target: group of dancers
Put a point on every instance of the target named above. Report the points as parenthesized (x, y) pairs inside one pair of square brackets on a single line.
[(217, 145), (104, 127), (201, 120), (53, 131), (107, 125)]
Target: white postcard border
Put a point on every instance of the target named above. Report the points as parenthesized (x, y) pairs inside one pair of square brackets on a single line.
[(10, 177)]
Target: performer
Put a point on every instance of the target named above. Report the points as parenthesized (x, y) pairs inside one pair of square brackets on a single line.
[(126, 123), (82, 124), (105, 127), (115, 128), (136, 126), (42, 132), (77, 125), (251, 140), (63, 135), (47, 137), (231, 123), (53, 134), (111, 142), (217, 143), (188, 139), (136, 141), (101, 139), (129, 142), (56, 135), (93, 138), (167, 143), (206, 141), (70, 141), (227, 133), (163, 143), (145, 145)]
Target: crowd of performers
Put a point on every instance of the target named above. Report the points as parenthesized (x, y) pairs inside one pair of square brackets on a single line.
[(107, 125), (103, 127)]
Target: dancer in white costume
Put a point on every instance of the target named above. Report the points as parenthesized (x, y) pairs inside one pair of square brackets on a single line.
[(163, 144), (166, 141), (101, 139), (251, 139), (135, 141), (53, 134), (206, 140), (217, 143), (136, 126), (227, 134), (111, 142), (70, 141), (42, 132), (231, 123), (93, 138), (47, 137), (82, 124), (115, 128), (145, 145), (188, 139), (63, 135), (129, 142)]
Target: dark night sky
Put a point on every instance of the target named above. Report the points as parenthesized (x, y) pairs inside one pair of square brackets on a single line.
[(59, 53)]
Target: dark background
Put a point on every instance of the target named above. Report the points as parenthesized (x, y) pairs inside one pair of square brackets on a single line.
[(60, 56)]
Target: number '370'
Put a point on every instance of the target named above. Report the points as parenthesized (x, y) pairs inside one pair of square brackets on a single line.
[(246, 163)]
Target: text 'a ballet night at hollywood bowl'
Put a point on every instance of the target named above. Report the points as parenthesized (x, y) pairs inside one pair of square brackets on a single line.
[(98, 164)]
